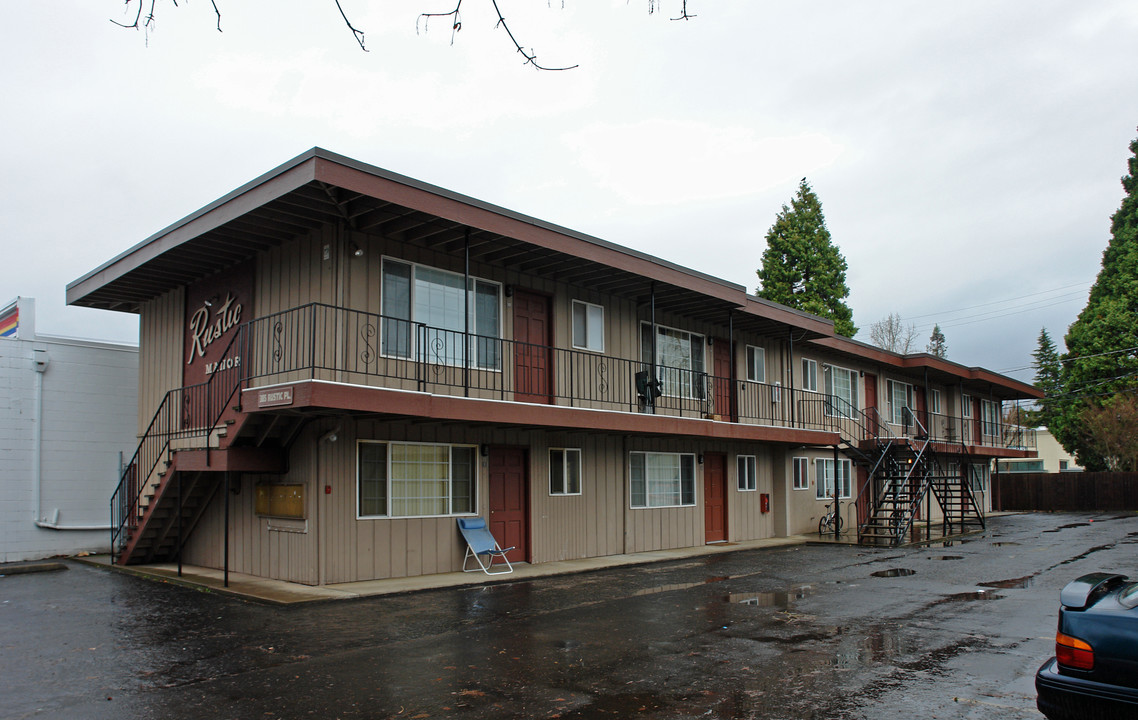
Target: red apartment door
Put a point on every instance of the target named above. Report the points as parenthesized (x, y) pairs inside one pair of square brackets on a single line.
[(724, 381), (509, 506), (532, 361), (715, 497), (922, 410), (870, 382)]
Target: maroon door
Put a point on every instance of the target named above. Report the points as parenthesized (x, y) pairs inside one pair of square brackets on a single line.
[(922, 411), (509, 509), (532, 361), (870, 382), (724, 380), (715, 497)]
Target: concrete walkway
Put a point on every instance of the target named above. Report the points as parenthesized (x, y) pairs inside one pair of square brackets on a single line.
[(280, 592)]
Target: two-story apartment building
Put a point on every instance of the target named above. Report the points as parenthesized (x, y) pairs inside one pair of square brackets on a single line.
[(338, 361)]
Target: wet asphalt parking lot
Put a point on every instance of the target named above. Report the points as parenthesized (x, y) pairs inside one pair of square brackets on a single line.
[(955, 629)]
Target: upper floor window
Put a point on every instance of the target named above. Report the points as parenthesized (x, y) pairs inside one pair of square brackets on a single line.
[(436, 301), (661, 479), (966, 401), (588, 326), (900, 399), (841, 391), (936, 409), (679, 359), (809, 375), (756, 364), (989, 417)]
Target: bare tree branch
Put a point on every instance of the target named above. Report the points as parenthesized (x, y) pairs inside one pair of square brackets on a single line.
[(684, 13), (531, 57), (146, 20), (357, 34)]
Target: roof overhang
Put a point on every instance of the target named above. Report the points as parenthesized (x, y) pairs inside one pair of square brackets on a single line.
[(319, 188), (938, 370)]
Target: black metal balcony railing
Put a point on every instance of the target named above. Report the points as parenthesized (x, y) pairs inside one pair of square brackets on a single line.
[(323, 342)]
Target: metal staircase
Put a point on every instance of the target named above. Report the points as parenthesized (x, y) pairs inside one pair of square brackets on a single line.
[(901, 472), (192, 440)]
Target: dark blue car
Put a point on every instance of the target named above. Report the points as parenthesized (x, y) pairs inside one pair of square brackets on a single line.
[(1094, 674)]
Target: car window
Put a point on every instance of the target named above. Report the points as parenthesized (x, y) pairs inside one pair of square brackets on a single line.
[(1128, 595)]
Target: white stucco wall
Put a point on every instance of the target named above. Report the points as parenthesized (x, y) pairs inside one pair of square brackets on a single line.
[(89, 407)]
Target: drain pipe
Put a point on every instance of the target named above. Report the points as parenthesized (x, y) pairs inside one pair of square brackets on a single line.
[(39, 364)]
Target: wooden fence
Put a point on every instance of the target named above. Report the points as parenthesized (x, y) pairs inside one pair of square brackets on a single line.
[(1071, 491)]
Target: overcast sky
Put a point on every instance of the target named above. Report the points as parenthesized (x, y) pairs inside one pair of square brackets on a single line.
[(967, 154)]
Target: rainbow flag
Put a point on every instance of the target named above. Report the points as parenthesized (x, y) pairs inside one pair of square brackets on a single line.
[(9, 323)]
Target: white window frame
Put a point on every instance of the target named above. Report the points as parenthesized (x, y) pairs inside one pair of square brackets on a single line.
[(677, 381), (388, 480), (824, 469), (936, 402), (747, 469), (966, 402), (684, 464), (592, 315), (809, 375), (834, 409), (405, 348), (568, 478), (756, 364), (990, 419), (896, 411), (800, 473)]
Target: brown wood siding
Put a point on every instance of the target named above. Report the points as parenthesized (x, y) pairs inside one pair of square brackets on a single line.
[(160, 335)]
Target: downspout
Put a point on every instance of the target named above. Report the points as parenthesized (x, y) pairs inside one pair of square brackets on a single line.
[(652, 376), (39, 364), (466, 318), (790, 369)]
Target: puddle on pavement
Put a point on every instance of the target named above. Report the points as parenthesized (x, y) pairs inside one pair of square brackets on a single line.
[(945, 557), (1004, 544), (894, 572), (781, 600), (979, 595), (1011, 584), (1080, 556)]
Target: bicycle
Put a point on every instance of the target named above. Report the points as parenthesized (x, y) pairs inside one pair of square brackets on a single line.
[(827, 522)]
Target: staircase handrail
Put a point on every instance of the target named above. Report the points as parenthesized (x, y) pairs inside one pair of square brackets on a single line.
[(128, 505)]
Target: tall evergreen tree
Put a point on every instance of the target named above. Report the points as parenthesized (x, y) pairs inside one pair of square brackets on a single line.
[(801, 266), (1102, 344), (1047, 378), (937, 346)]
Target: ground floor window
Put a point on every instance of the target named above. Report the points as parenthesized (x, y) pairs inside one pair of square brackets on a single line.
[(825, 470), (661, 479), (564, 471), (801, 473), (414, 479), (747, 472)]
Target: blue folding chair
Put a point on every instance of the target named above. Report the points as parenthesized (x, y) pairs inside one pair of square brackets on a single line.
[(481, 545)]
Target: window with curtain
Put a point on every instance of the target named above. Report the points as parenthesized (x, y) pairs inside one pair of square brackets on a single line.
[(900, 397), (841, 391), (661, 479), (825, 470), (564, 471), (414, 479), (801, 473), (809, 375), (747, 472), (414, 295), (679, 360), (588, 326), (756, 364)]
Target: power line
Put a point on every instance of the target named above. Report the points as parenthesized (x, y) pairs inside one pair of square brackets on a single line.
[(997, 302)]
